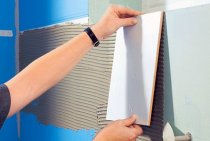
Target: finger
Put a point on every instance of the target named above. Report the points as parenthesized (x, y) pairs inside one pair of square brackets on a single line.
[(138, 129), (126, 11), (128, 21), (129, 121), (131, 126), (133, 134)]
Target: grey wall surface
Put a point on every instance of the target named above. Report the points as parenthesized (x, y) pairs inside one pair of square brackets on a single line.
[(98, 7), (187, 71), (157, 5), (73, 102)]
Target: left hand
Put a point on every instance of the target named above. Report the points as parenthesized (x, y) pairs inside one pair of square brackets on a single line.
[(120, 130)]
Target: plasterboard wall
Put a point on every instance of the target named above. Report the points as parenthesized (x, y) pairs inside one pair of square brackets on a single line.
[(187, 70), (156, 5), (97, 8)]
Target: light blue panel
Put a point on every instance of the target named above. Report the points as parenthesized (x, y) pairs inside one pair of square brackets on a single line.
[(42, 132), (159, 5), (134, 4), (38, 13), (188, 90), (98, 7), (7, 62)]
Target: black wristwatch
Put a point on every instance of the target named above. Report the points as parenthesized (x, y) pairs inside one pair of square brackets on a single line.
[(92, 36)]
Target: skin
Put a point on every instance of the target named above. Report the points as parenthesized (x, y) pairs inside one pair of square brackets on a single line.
[(120, 130), (48, 70)]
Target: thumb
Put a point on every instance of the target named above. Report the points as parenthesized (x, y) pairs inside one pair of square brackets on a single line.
[(129, 121), (128, 21)]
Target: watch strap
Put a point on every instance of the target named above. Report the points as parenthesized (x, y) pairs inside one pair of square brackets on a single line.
[(92, 36)]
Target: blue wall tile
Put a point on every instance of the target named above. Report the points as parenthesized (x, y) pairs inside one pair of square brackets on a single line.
[(43, 132), (7, 17), (7, 62), (38, 13), (9, 130)]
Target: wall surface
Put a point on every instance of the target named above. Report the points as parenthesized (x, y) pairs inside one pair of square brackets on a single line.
[(187, 70), (39, 13), (97, 8), (7, 61), (183, 101), (33, 130), (156, 5), (73, 102)]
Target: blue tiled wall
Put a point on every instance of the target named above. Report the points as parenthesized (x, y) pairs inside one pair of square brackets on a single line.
[(38, 13), (7, 61)]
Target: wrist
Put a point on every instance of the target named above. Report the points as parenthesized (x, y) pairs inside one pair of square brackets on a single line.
[(97, 31)]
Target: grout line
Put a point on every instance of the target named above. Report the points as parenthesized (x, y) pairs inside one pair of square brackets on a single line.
[(17, 54)]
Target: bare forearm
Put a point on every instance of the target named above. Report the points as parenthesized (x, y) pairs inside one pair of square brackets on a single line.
[(46, 71)]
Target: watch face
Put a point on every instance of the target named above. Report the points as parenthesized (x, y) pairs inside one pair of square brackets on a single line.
[(96, 44)]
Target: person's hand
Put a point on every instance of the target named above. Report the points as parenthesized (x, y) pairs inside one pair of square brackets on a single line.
[(115, 17), (120, 130)]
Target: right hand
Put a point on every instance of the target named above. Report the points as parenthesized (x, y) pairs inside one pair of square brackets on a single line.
[(120, 130), (115, 17)]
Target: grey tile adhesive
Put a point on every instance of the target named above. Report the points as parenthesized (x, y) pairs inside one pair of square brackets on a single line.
[(74, 101), (79, 101)]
